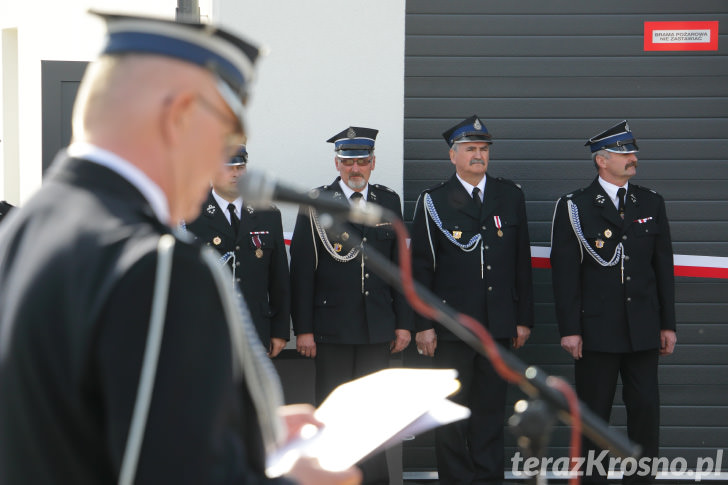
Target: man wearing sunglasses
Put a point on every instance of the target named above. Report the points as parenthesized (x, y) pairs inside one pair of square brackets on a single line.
[(344, 315)]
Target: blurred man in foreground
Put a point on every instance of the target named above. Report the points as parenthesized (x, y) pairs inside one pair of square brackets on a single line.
[(155, 117)]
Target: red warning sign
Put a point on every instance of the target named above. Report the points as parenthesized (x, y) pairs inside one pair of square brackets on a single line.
[(681, 36)]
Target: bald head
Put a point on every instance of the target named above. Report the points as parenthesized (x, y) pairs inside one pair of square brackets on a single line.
[(156, 112), (120, 92)]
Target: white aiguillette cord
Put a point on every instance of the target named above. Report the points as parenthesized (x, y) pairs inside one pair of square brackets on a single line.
[(149, 365), (249, 360)]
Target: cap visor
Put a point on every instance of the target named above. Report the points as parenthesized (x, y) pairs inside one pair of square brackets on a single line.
[(628, 148), (473, 138), (353, 153)]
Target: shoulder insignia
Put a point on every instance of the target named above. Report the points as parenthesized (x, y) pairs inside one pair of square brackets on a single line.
[(509, 182), (435, 187), (384, 187), (574, 193), (646, 189)]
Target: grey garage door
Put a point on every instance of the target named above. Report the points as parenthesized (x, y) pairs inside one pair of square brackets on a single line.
[(545, 76)]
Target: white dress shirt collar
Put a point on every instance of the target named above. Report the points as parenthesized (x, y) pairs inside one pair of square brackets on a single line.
[(612, 189), (149, 190), (469, 188), (223, 203)]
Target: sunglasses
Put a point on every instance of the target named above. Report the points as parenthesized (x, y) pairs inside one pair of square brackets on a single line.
[(349, 162)]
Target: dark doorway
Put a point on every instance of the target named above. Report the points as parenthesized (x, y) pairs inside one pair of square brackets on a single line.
[(60, 81)]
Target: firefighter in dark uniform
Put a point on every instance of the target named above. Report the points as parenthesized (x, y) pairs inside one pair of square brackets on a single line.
[(613, 282), (251, 243), (5, 209), (470, 246), (344, 315)]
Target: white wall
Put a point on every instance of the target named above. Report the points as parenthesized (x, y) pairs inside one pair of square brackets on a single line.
[(48, 30), (331, 64)]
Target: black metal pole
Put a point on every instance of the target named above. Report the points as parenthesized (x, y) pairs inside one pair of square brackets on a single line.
[(188, 11)]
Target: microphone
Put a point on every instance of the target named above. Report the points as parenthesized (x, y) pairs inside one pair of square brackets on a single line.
[(260, 189)]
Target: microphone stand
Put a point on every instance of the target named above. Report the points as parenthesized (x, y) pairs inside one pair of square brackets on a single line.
[(532, 424), (537, 384)]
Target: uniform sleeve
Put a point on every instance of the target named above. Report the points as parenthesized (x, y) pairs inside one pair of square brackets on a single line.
[(524, 274), (566, 272), (303, 272), (423, 262), (664, 271), (200, 426), (279, 289)]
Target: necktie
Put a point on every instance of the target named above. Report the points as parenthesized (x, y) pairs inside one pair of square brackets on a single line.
[(355, 198), (620, 196), (476, 196), (234, 221)]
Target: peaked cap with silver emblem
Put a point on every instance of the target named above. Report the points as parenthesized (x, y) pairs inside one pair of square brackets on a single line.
[(354, 142), (240, 157), (470, 129), (617, 139), (228, 57)]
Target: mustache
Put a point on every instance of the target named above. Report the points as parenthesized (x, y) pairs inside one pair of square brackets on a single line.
[(477, 161), (631, 164)]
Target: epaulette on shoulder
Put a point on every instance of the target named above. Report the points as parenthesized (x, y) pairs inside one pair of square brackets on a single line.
[(510, 182), (383, 187), (435, 187), (573, 194), (644, 188)]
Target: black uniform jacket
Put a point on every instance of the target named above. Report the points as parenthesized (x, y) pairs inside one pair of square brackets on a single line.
[(77, 269), (346, 302), (261, 263), (591, 299), (499, 294)]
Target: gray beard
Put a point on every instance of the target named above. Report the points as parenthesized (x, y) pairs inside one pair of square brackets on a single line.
[(357, 184)]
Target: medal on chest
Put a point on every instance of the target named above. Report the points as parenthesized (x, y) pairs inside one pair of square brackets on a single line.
[(499, 225), (255, 237)]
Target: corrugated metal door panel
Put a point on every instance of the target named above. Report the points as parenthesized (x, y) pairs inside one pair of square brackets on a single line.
[(545, 76)]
